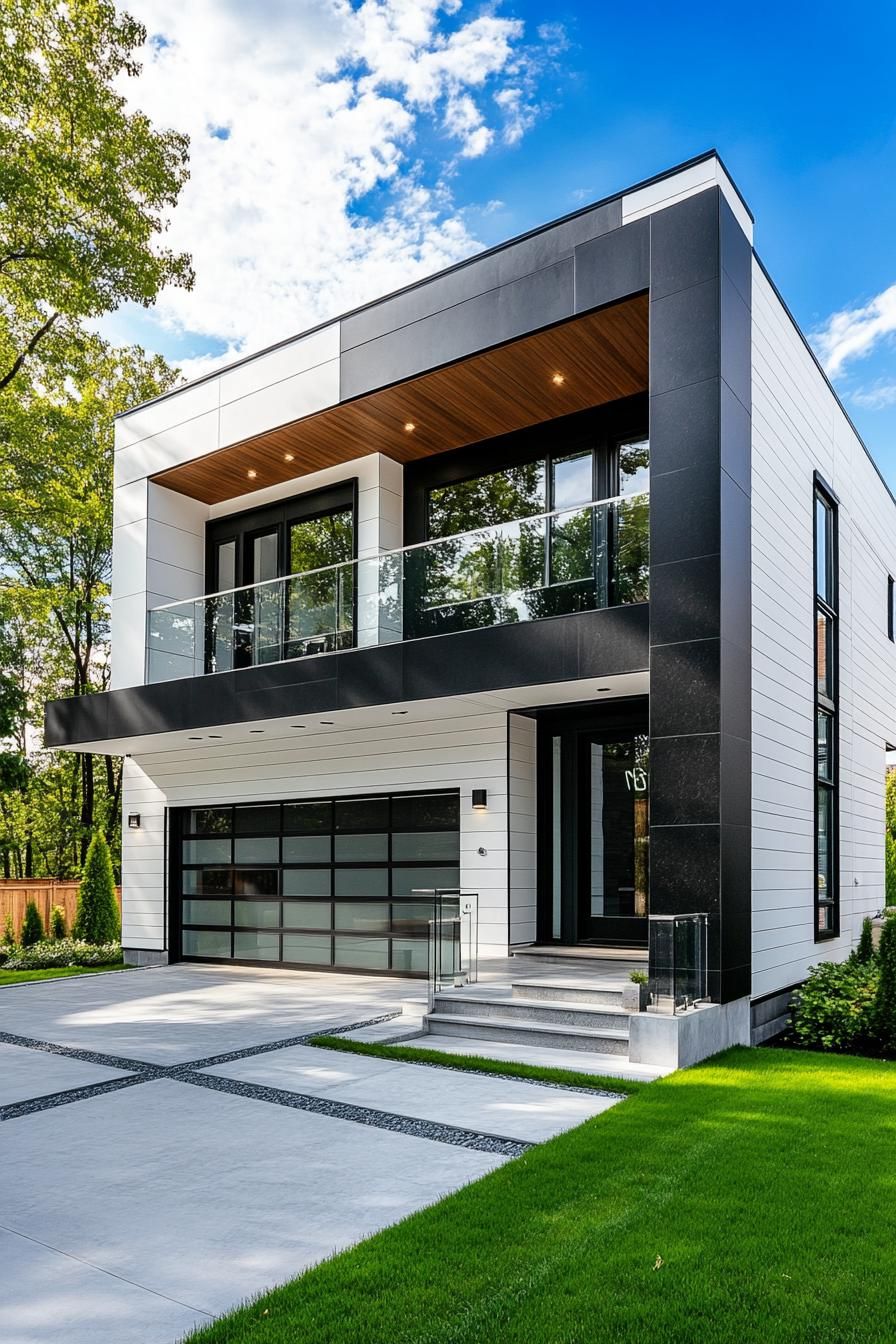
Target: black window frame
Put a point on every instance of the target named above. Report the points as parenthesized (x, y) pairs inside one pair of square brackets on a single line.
[(244, 526), (826, 764), (181, 831)]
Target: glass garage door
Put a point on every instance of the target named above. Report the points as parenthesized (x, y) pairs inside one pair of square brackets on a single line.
[(322, 883)]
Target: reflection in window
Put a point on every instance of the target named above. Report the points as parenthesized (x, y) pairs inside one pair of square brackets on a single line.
[(634, 467), (498, 497), (826, 793)]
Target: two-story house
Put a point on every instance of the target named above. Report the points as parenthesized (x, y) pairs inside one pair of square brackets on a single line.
[(561, 577)]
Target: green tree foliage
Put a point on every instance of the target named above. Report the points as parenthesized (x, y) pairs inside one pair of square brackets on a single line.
[(86, 184), (32, 926), (865, 947), (885, 1004), (890, 834), (56, 553), (97, 919), (57, 922), (9, 933)]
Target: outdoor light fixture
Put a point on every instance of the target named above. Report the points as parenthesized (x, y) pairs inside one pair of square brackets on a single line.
[(480, 800), (133, 821)]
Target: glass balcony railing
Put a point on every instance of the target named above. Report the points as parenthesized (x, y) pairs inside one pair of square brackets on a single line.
[(549, 565)]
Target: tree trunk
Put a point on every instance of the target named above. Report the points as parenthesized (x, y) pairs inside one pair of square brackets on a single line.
[(86, 804)]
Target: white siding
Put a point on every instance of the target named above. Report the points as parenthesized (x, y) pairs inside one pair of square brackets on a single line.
[(799, 428), (521, 758), (442, 752)]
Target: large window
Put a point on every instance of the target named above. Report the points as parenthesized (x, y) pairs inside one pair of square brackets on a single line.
[(827, 904), (325, 883), (311, 536)]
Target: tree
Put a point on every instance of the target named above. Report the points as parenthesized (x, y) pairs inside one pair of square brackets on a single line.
[(57, 922), (32, 926), (97, 919), (56, 451), (890, 836), (865, 947), (885, 1003), (85, 183)]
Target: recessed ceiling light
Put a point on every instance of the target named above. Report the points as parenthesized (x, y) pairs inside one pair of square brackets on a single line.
[(409, 426), (558, 379), (251, 474), (289, 457)]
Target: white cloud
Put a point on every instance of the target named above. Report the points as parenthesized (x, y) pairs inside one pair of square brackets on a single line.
[(324, 137), (877, 396), (854, 332)]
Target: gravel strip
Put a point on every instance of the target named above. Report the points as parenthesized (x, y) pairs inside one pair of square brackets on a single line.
[(362, 1115), (35, 1104), (87, 1056)]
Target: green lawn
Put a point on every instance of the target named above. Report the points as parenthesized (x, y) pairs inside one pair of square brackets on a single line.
[(54, 973), (752, 1198), (412, 1054)]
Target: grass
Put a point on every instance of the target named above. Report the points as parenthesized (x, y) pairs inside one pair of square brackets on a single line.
[(412, 1054), (54, 973), (748, 1199)]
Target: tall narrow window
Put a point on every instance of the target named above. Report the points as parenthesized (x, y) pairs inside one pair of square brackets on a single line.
[(891, 613), (827, 905)]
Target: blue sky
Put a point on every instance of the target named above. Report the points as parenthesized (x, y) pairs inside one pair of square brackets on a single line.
[(398, 137)]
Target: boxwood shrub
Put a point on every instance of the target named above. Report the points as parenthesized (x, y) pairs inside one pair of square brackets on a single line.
[(835, 1008)]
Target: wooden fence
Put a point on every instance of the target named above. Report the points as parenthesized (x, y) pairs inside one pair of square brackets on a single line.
[(45, 892)]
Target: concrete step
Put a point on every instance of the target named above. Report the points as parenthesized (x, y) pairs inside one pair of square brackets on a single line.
[(550, 1013), (605, 993), (512, 1031), (576, 959)]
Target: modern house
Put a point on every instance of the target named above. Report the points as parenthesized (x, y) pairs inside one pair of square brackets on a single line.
[(561, 577)]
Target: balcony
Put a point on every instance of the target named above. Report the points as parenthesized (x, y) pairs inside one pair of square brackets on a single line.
[(552, 564)]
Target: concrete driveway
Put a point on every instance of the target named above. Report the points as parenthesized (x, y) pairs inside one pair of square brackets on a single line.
[(172, 1147)]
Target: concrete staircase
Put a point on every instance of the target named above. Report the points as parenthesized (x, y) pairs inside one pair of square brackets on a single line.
[(546, 1013)]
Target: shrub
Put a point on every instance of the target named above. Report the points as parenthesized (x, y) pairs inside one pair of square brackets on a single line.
[(32, 925), (638, 977), (5, 953), (885, 1006), (836, 1008), (57, 922), (9, 933), (63, 952), (97, 919), (864, 951)]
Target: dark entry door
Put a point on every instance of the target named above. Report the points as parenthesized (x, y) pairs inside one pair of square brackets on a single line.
[(613, 826)]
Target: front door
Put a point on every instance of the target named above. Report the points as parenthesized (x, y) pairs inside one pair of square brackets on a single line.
[(613, 839), (594, 825)]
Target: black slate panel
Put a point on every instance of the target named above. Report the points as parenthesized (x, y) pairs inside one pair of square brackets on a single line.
[(516, 309), (499, 267)]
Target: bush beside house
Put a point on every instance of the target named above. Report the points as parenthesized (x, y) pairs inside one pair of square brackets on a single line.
[(851, 1005)]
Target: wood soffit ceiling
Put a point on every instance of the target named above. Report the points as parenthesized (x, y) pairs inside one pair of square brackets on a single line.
[(600, 358)]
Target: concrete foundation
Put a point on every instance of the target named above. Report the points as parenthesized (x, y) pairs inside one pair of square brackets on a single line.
[(144, 956), (686, 1038)]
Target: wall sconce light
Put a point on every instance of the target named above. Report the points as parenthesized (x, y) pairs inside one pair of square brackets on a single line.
[(480, 800), (133, 821)]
